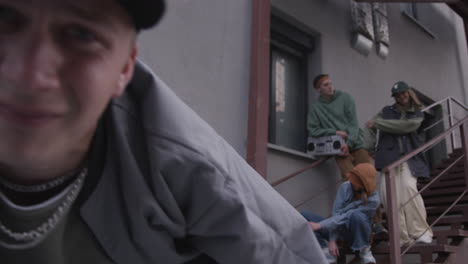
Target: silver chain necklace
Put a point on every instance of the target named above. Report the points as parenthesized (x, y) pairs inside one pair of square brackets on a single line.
[(38, 187), (29, 239)]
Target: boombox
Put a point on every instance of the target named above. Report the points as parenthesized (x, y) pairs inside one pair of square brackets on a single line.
[(324, 146)]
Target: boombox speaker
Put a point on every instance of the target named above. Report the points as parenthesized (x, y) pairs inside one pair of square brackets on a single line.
[(324, 146)]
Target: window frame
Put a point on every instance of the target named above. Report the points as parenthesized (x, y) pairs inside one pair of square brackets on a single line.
[(413, 16), (287, 38)]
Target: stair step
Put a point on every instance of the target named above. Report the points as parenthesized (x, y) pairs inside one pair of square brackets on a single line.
[(446, 200), (443, 235), (453, 176), (459, 168), (448, 177), (443, 192), (438, 210), (447, 162), (457, 151), (383, 248), (448, 220), (437, 197), (446, 184)]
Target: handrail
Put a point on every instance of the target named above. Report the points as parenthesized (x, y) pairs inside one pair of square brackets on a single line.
[(432, 181), (459, 103), (308, 167), (320, 161), (390, 174), (449, 101), (425, 146), (386, 170), (319, 192), (437, 220), (442, 101)]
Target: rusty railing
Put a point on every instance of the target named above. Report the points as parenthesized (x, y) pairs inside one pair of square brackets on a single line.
[(390, 174)]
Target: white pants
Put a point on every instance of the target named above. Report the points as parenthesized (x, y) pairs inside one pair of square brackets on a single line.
[(413, 221)]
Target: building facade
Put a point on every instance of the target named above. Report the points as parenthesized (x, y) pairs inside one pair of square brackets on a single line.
[(203, 50)]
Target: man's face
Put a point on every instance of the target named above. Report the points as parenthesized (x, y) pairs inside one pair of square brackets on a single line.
[(402, 99), (326, 88), (61, 61)]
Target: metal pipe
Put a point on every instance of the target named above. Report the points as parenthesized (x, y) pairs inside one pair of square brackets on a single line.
[(257, 137), (435, 104), (459, 103), (393, 217), (292, 175), (464, 138), (452, 135)]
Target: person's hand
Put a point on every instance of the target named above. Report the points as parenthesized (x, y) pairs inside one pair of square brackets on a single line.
[(344, 150), (315, 226), (342, 133), (333, 248), (370, 124)]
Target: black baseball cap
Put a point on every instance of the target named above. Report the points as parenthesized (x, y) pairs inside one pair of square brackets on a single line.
[(399, 87), (144, 13)]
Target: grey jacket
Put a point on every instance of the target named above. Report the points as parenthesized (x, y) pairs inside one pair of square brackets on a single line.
[(393, 145), (173, 191)]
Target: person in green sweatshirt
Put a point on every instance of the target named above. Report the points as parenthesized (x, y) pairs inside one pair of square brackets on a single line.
[(334, 113)]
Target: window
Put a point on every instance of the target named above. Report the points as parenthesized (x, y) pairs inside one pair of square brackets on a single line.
[(415, 13), (411, 9), (290, 50)]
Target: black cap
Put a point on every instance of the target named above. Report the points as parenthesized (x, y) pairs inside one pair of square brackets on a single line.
[(399, 87), (144, 13)]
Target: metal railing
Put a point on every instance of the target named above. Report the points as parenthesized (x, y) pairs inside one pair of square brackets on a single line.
[(390, 174), (306, 168), (294, 174), (450, 101)]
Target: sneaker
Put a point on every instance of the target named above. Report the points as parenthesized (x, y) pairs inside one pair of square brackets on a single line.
[(366, 256), (424, 239), (328, 256), (378, 228)]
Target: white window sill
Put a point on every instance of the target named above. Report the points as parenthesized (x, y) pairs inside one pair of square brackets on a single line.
[(290, 151)]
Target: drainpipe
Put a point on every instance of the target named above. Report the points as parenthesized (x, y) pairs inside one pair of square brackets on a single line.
[(257, 137)]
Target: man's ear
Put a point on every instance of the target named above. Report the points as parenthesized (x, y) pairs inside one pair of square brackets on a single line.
[(126, 73)]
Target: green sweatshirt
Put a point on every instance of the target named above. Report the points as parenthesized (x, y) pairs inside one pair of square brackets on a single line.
[(326, 117), (398, 127), (393, 126)]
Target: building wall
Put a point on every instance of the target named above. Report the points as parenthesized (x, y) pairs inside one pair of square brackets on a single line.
[(437, 67), (201, 49)]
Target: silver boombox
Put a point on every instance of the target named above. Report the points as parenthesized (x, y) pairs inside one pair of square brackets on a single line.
[(324, 146)]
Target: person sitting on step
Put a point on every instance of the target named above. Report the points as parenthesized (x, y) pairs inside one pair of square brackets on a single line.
[(355, 204)]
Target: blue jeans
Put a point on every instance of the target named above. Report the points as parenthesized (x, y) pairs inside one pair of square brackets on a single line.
[(322, 235), (355, 232)]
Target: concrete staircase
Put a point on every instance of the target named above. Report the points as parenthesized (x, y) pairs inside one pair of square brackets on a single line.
[(452, 229), (450, 232)]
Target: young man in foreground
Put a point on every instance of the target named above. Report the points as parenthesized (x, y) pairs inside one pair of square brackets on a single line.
[(101, 163)]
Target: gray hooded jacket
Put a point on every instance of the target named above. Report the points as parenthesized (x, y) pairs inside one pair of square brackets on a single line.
[(173, 191)]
